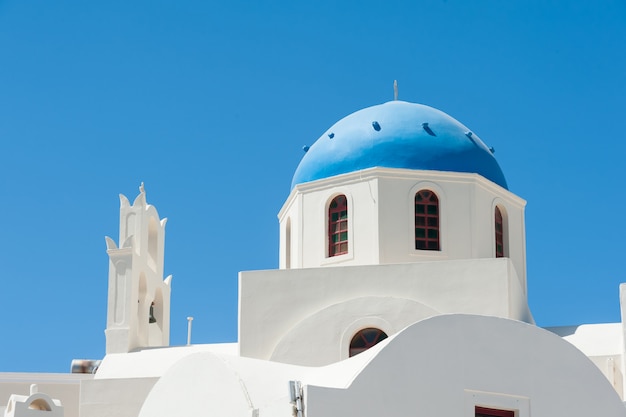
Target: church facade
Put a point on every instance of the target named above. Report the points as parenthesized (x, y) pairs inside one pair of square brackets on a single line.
[(401, 289)]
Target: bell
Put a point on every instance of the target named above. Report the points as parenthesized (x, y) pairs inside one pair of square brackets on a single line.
[(152, 319)]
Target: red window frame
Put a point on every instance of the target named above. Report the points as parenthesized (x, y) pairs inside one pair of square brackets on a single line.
[(426, 220), (365, 339), (499, 233), (492, 412), (338, 226)]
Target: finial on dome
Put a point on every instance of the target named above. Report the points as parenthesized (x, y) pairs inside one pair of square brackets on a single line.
[(395, 90), (141, 188)]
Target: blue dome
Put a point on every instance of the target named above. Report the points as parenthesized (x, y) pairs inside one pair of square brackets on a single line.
[(397, 134)]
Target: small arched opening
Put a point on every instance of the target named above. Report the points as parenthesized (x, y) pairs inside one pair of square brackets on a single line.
[(40, 404), (365, 339), (153, 239)]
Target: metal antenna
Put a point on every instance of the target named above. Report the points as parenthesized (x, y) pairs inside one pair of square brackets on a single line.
[(189, 320), (395, 90)]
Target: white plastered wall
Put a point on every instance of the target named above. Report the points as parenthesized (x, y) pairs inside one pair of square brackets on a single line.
[(114, 397), (602, 344), (65, 387), (447, 365), (307, 213), (381, 219), (442, 366), (34, 405), (307, 316)]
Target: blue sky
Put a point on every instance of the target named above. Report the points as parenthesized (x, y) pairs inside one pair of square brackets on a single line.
[(210, 103)]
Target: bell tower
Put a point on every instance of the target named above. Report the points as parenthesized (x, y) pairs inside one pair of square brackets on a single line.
[(138, 310)]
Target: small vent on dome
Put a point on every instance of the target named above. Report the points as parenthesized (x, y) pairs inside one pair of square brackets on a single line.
[(376, 126), (492, 149), (428, 129), (331, 135), (470, 136), (306, 148)]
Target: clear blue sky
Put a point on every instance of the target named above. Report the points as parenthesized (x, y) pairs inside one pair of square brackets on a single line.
[(210, 103)]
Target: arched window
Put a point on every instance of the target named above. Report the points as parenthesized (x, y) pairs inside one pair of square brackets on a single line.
[(499, 233), (338, 226), (426, 220), (365, 339)]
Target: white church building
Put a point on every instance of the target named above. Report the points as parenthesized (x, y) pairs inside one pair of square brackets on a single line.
[(401, 291)]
